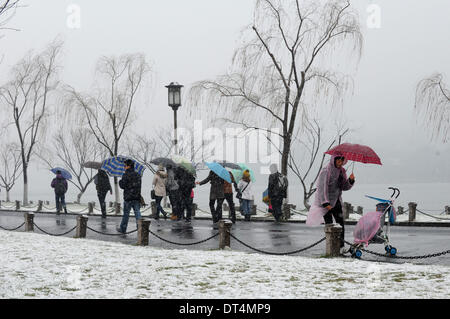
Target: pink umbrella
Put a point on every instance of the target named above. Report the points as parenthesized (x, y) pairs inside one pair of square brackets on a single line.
[(356, 153)]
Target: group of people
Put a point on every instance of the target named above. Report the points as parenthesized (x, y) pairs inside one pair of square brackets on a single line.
[(178, 184)]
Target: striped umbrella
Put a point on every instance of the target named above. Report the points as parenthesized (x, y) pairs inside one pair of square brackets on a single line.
[(115, 166)]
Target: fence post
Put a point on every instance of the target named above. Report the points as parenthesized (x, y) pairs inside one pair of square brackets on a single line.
[(360, 210), (39, 208), (346, 210), (143, 231), (17, 205), (111, 204), (286, 210), (224, 233), (412, 211), (447, 210), (194, 208), (225, 207), (81, 226), (400, 210), (253, 209), (153, 208), (47, 202), (29, 224), (333, 240), (90, 208), (117, 208)]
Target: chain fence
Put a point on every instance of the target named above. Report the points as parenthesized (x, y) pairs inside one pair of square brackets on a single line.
[(183, 244), (109, 234), (12, 229), (275, 253), (429, 215), (386, 255), (45, 232)]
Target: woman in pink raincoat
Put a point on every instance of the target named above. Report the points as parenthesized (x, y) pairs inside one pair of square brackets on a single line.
[(330, 184)]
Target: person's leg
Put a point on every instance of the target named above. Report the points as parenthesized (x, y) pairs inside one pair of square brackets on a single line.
[(212, 208), (63, 202), (245, 208), (328, 217), (276, 207), (101, 199), (339, 217), (126, 214), (219, 208), (137, 210), (158, 206), (58, 205), (188, 204), (232, 215)]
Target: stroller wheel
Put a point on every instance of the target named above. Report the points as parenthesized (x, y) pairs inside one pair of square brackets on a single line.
[(393, 251)]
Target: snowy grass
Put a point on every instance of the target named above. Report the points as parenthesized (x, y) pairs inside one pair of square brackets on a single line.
[(41, 266)]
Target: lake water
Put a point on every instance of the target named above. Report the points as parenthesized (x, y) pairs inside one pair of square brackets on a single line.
[(430, 197)]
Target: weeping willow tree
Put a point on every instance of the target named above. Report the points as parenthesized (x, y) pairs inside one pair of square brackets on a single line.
[(286, 63), (433, 106)]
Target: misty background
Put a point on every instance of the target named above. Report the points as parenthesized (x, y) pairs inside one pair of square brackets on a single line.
[(187, 41)]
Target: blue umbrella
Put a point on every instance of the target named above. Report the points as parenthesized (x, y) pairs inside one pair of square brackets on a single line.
[(115, 166), (65, 174), (220, 171)]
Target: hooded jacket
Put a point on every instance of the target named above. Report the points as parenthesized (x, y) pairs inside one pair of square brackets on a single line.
[(131, 185), (159, 183), (332, 181)]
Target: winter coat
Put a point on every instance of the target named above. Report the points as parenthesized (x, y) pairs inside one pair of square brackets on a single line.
[(227, 187), (186, 181), (159, 183), (273, 189), (216, 190), (131, 185), (59, 179), (332, 181), (102, 182), (171, 183), (248, 192)]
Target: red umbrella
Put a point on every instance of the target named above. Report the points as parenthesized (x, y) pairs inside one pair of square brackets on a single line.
[(356, 153)]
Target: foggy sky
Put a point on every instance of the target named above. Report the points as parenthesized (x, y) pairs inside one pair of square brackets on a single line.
[(187, 41)]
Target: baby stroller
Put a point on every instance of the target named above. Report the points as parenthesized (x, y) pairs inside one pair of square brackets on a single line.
[(369, 229)]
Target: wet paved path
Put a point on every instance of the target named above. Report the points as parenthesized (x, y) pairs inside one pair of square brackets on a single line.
[(266, 236)]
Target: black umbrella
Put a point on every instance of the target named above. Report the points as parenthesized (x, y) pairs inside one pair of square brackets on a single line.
[(164, 161), (229, 165), (93, 165)]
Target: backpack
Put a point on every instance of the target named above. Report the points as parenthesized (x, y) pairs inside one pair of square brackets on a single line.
[(60, 188)]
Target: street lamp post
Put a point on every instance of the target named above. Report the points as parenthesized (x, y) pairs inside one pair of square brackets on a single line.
[(175, 102)]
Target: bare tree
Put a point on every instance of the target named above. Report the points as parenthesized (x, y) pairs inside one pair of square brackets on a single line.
[(433, 101), (7, 11), (312, 145), (26, 97), (108, 111), (282, 66), (71, 149), (10, 167)]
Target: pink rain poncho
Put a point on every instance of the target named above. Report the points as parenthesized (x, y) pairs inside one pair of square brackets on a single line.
[(330, 184), (367, 227)]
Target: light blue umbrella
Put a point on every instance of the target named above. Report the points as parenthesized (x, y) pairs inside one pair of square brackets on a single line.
[(65, 174), (115, 166), (219, 170)]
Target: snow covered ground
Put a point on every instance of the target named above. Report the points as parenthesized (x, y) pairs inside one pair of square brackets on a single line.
[(41, 266)]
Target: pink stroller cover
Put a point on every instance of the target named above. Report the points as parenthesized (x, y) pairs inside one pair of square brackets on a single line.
[(367, 227)]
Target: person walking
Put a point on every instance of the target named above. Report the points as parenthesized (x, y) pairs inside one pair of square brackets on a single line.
[(277, 189), (186, 182), (173, 190), (332, 181), (59, 184), (159, 188), (246, 194), (216, 194), (131, 185), (103, 186), (228, 193)]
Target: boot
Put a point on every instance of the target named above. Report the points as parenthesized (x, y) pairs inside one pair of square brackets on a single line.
[(65, 210)]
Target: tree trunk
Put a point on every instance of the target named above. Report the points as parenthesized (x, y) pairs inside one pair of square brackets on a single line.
[(7, 195), (79, 197), (116, 189), (25, 185)]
